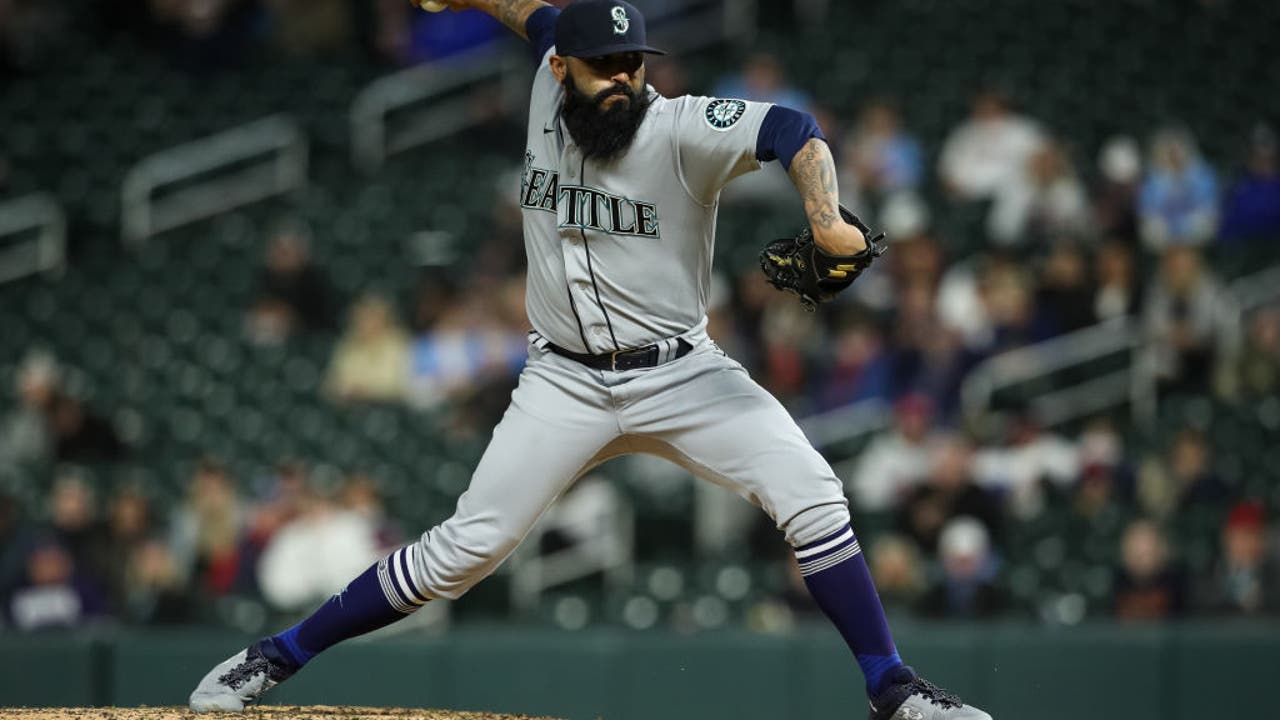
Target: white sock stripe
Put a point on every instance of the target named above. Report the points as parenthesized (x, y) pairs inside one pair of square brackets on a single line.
[(388, 591), (831, 561), (835, 558), (810, 552), (401, 580), (410, 552)]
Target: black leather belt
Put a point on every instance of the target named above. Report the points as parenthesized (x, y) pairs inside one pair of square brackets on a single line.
[(645, 357)]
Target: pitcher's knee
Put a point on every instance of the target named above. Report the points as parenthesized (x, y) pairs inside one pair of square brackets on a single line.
[(817, 522), (450, 565)]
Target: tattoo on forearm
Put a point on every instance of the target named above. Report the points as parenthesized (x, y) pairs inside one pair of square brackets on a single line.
[(513, 13), (813, 171)]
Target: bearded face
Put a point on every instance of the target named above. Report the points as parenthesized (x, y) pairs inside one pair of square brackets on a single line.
[(603, 124)]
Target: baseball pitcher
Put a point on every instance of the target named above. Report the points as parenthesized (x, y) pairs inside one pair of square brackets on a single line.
[(619, 195)]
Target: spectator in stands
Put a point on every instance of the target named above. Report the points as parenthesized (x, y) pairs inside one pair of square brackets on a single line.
[(1049, 206), (1192, 468), (1006, 291), (293, 294), (309, 26), (80, 435), (155, 589), (787, 336), (763, 79), (1106, 479), (1178, 203), (479, 338), (917, 256), (1184, 318), (206, 531), (1117, 288), (14, 539), (1183, 480), (314, 553), (948, 492), (1029, 467), (25, 435), (55, 593), (928, 357), (404, 35), (966, 587), (988, 153), (856, 367), (1245, 579), (666, 75), (360, 494), (1064, 296), (74, 525), (371, 361), (205, 35), (1147, 586), (281, 499), (958, 302), (1115, 204), (898, 572), (880, 157), (31, 32), (1252, 208), (1256, 372), (896, 461), (128, 529), (50, 424)]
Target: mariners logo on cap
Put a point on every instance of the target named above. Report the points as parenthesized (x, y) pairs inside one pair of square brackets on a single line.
[(621, 23), (724, 114)]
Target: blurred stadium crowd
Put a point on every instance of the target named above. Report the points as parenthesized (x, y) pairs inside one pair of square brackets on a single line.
[(1005, 231)]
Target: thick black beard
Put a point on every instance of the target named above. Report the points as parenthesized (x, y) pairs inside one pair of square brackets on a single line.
[(602, 134)]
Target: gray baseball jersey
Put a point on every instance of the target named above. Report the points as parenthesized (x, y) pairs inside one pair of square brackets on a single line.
[(620, 257), (620, 253)]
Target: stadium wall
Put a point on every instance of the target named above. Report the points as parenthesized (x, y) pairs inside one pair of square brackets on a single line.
[(1178, 672)]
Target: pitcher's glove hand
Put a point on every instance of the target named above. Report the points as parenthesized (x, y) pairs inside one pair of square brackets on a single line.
[(799, 266)]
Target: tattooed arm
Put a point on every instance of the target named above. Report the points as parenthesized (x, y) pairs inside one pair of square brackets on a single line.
[(512, 13), (814, 173)]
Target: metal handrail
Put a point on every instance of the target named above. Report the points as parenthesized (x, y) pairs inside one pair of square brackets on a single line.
[(277, 138), (841, 424), (1027, 363), (47, 252), (372, 141), (1023, 364), (1256, 289)]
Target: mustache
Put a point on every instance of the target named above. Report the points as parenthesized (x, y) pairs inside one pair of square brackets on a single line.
[(609, 92)]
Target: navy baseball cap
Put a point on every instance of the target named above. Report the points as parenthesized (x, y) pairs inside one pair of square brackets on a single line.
[(591, 28)]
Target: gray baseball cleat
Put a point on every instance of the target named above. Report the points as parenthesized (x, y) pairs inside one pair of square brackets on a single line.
[(910, 697), (241, 678)]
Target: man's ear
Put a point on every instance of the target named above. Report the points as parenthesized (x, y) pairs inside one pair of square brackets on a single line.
[(559, 67)]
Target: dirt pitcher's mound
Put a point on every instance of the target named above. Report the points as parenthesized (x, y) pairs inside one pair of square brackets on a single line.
[(266, 712)]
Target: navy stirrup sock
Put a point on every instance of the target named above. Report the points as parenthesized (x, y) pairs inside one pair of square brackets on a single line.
[(837, 576), (381, 595)]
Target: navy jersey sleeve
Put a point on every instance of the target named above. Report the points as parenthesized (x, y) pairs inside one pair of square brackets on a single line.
[(782, 134), (541, 31)]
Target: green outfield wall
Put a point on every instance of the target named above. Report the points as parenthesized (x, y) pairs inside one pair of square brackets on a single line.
[(1179, 672)]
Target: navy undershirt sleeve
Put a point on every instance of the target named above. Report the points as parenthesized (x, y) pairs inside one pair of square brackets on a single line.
[(541, 30), (783, 132)]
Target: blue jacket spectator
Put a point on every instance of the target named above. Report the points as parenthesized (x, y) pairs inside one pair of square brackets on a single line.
[(1252, 209), (1178, 203)]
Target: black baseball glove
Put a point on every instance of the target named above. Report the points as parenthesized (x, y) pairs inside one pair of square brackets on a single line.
[(799, 266)]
